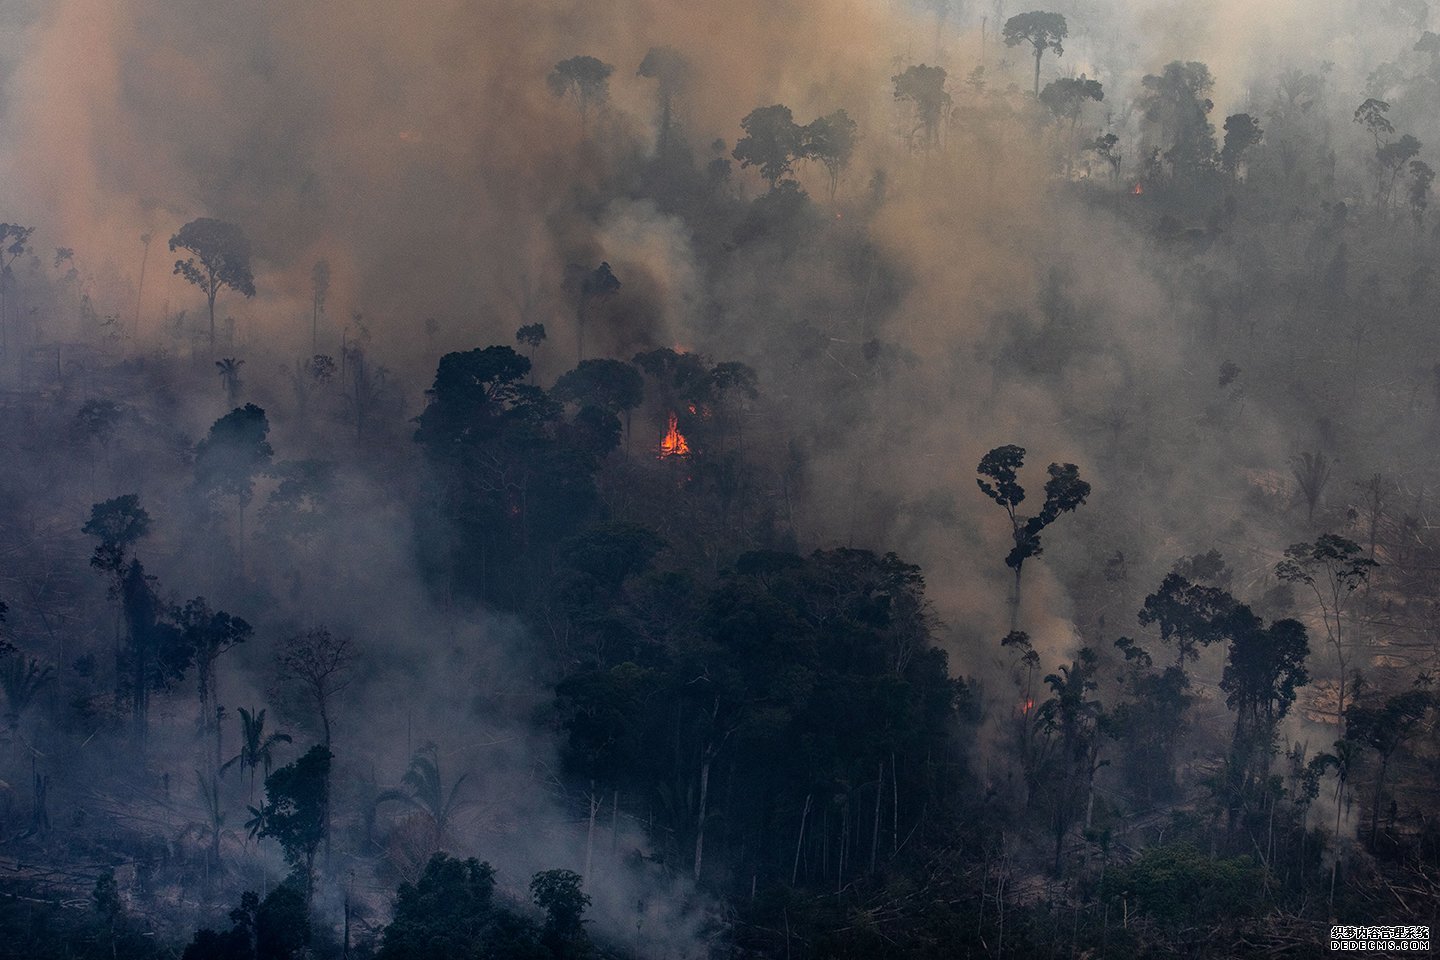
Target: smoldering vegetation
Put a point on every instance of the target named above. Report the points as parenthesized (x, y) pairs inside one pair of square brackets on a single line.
[(546, 480)]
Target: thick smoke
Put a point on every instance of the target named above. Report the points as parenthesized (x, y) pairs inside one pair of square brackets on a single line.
[(421, 154)]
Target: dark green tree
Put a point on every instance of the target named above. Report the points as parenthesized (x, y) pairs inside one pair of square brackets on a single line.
[(207, 634), (613, 386), (559, 894), (296, 801), (450, 912), (231, 455)]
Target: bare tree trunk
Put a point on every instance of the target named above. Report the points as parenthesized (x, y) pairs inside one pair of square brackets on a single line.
[(590, 832), (1015, 603), (894, 806), (700, 818), (875, 830), (800, 840)]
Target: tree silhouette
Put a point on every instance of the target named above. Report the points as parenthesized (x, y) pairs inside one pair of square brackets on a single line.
[(670, 70), (297, 798), (830, 139), (1043, 31), (230, 376), (319, 291), (924, 86), (257, 748), (771, 143), (1242, 132), (426, 794), (219, 259), (207, 634), (1178, 98), (585, 79), (999, 480), (1385, 729), (230, 456), (596, 287), (1312, 473), (14, 242), (1333, 568)]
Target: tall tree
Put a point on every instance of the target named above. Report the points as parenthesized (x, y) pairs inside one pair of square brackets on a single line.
[(613, 386), (1384, 729), (670, 69), (229, 369), (1242, 131), (425, 792), (771, 143), (207, 634), (1043, 31), (924, 86), (1422, 177), (1178, 99), (230, 456), (319, 291), (596, 287), (830, 139), (585, 79), (257, 748), (559, 894), (1333, 568), (297, 799), (219, 259), (320, 663), (1189, 615), (999, 480), (1065, 98), (14, 242)]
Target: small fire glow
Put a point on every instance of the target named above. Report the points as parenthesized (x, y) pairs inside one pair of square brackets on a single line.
[(673, 443), (1138, 189), (1029, 705)]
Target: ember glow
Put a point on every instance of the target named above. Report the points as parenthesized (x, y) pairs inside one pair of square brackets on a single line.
[(673, 444)]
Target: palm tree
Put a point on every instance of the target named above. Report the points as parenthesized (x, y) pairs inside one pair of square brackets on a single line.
[(256, 749), (230, 375), (1312, 473), (426, 794)]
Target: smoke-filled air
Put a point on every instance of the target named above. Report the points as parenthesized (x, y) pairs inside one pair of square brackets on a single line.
[(764, 480)]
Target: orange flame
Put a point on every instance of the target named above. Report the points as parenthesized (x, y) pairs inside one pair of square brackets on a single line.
[(673, 443), (1138, 189), (1029, 705)]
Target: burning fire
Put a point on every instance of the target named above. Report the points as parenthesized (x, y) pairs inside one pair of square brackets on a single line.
[(1138, 189), (673, 443)]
